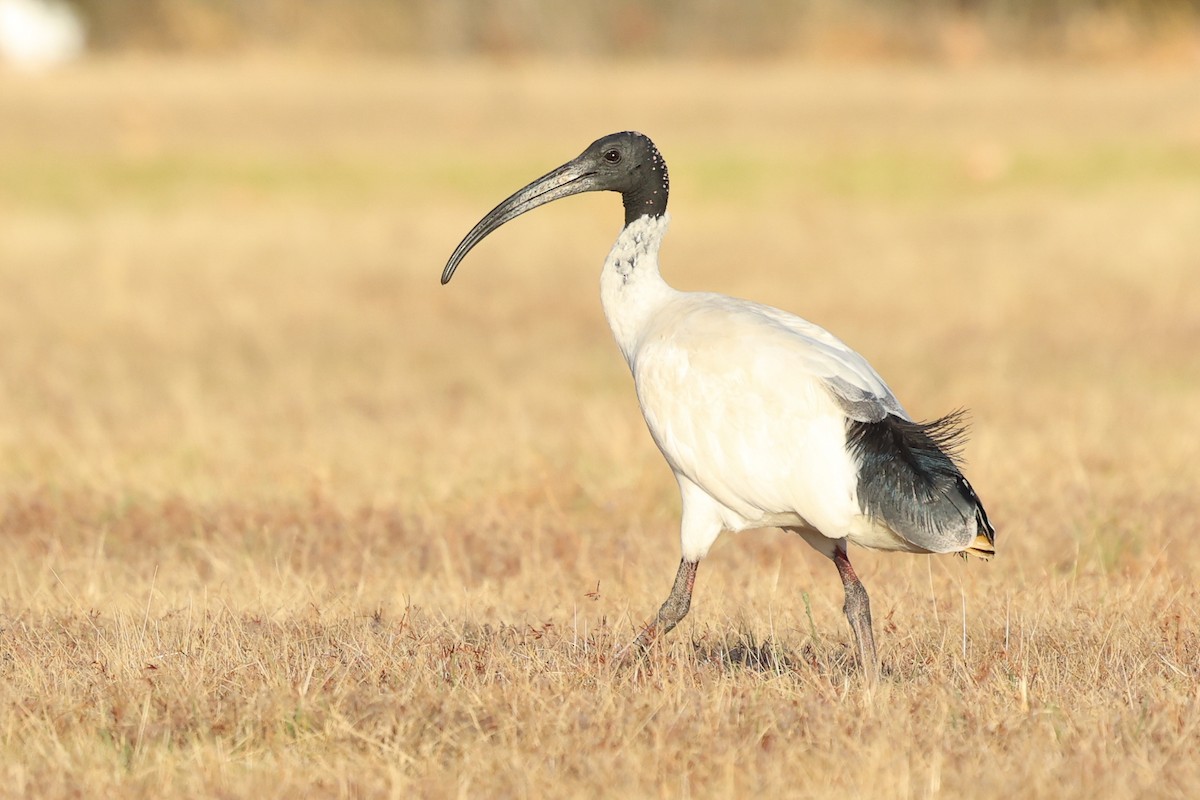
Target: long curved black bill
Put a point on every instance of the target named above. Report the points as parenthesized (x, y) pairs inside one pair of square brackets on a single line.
[(571, 178)]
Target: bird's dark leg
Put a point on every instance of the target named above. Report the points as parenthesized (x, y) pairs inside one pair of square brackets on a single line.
[(673, 609), (858, 612)]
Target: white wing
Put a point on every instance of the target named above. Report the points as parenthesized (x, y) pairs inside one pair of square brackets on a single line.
[(750, 403), (863, 393)]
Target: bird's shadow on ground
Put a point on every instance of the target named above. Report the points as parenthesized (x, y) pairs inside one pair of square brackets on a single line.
[(745, 652)]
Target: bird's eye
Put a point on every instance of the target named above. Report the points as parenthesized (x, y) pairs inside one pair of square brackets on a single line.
[(612, 156)]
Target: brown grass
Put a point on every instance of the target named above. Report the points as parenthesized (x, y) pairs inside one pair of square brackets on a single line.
[(282, 517)]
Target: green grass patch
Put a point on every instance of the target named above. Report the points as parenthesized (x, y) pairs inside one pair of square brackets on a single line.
[(88, 181)]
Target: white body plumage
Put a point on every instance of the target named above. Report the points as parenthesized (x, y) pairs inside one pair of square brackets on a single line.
[(736, 397)]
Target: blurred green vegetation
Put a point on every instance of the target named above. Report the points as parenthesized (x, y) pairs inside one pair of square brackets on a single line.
[(91, 181), (948, 29)]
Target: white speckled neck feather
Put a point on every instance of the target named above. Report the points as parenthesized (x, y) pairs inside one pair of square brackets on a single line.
[(631, 288)]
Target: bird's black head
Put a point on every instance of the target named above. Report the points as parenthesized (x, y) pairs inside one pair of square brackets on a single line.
[(629, 163), (626, 162)]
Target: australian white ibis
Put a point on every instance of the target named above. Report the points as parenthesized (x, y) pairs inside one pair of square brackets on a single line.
[(766, 419)]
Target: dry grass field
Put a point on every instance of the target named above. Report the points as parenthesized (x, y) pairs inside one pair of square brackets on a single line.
[(283, 517)]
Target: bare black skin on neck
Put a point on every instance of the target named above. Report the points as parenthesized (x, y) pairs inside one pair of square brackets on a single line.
[(647, 194)]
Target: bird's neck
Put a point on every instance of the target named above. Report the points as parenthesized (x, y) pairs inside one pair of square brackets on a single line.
[(631, 288)]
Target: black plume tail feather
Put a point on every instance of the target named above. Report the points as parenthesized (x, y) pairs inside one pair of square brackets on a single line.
[(909, 478)]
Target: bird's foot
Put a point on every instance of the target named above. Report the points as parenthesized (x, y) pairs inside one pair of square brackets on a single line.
[(638, 648)]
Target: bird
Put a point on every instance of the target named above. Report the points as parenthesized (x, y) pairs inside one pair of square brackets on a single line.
[(766, 420)]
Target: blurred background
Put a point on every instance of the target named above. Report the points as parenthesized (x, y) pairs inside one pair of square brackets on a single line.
[(940, 29), (222, 223)]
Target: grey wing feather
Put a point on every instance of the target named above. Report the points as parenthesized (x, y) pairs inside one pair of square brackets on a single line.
[(861, 404)]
